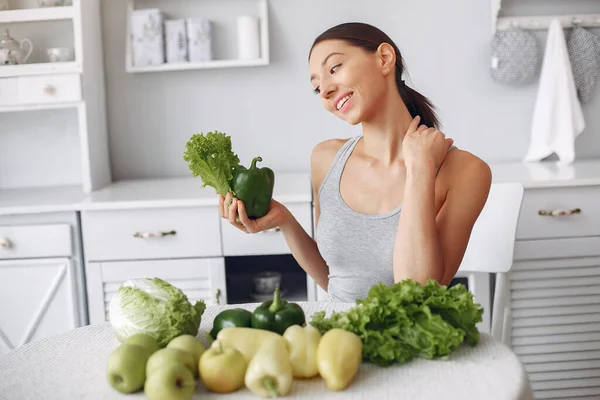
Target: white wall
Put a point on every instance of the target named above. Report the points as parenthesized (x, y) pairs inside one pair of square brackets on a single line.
[(270, 111)]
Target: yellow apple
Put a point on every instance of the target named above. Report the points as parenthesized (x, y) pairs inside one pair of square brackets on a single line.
[(222, 369)]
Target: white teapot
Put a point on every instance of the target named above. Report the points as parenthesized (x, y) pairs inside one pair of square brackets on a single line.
[(12, 51)]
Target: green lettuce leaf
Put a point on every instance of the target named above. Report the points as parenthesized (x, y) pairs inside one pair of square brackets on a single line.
[(406, 320), (210, 156)]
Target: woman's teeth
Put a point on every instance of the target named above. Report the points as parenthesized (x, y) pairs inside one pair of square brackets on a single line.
[(343, 101)]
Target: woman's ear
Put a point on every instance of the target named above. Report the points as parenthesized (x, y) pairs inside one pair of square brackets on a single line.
[(386, 58)]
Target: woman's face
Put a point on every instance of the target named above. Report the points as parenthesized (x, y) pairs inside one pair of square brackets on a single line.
[(350, 81)]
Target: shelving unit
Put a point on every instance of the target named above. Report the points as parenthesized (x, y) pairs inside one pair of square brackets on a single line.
[(71, 94), (261, 12), (40, 69), (37, 14)]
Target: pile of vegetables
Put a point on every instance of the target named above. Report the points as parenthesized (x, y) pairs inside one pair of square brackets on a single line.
[(272, 315), (210, 156), (154, 307), (406, 320)]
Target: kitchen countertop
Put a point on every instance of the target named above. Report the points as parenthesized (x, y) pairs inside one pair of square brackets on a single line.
[(548, 174), (290, 187), (146, 193)]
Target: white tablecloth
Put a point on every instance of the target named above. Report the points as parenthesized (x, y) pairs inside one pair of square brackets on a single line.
[(72, 366)]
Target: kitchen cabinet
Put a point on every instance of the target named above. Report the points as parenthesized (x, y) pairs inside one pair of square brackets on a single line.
[(554, 303), (198, 278), (40, 271)]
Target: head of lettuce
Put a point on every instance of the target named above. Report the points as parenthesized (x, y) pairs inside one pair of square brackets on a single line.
[(153, 307)]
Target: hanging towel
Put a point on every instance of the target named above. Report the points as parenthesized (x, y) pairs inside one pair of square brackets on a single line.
[(558, 118), (584, 53)]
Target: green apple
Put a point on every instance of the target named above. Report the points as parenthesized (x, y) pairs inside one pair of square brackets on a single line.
[(143, 340), (189, 344), (167, 355), (222, 369), (170, 381), (126, 368)]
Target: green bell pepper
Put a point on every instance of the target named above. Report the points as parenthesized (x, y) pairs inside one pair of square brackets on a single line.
[(235, 317), (253, 186), (277, 315)]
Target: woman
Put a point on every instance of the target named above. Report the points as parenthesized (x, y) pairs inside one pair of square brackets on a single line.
[(396, 202)]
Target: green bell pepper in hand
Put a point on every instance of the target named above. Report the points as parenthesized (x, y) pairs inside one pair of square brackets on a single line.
[(254, 186), (235, 317), (277, 315)]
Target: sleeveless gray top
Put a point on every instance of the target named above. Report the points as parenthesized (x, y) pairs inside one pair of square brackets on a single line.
[(357, 247)]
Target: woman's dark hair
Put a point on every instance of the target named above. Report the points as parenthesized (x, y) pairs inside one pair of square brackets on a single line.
[(369, 38)]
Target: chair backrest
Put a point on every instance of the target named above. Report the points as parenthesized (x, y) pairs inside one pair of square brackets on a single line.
[(492, 242)]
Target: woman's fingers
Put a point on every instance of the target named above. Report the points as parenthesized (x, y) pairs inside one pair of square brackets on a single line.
[(414, 124), (221, 206), (247, 222), (232, 213)]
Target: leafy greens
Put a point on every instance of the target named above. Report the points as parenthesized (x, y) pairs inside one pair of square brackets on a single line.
[(154, 307), (211, 157), (406, 320)]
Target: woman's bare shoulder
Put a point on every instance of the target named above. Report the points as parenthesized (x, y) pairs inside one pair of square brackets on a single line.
[(461, 165), (322, 157)]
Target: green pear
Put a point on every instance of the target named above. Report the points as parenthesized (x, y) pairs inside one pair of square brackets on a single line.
[(126, 368), (189, 344), (144, 340), (169, 355), (170, 381)]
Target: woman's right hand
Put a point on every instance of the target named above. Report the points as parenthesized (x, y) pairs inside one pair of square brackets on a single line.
[(230, 208)]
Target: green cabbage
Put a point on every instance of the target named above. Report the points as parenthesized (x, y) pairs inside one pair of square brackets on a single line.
[(153, 307)]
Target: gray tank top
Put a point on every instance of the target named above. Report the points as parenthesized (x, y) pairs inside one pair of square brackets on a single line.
[(357, 247)]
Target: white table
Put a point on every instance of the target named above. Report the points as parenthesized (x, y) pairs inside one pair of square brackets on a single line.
[(72, 366)]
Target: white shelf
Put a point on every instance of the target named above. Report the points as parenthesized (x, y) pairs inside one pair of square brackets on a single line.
[(199, 65), (543, 21), (7, 71), (37, 14), (262, 14), (39, 107)]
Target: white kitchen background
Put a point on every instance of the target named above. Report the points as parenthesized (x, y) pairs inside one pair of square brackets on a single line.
[(78, 248)]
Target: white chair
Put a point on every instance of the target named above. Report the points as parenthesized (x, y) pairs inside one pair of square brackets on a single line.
[(490, 251)]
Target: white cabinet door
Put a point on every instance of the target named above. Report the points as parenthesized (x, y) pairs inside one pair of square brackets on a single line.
[(38, 300), (555, 322), (198, 278)]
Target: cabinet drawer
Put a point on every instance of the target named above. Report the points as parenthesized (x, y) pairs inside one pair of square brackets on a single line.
[(49, 89), (151, 233), (35, 241), (585, 223), (238, 243), (8, 91)]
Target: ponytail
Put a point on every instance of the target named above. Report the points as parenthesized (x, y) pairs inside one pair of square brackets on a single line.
[(417, 104)]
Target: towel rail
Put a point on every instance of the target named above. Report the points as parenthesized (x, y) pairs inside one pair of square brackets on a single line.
[(543, 21)]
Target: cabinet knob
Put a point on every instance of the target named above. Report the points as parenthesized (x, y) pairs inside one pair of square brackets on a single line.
[(149, 235), (4, 243), (49, 90), (218, 296), (559, 212)]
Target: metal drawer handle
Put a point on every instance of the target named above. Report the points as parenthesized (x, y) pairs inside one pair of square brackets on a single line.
[(149, 235), (4, 243), (559, 212), (49, 89), (272, 230)]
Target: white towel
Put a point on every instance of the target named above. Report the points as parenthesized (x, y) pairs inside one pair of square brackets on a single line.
[(558, 118)]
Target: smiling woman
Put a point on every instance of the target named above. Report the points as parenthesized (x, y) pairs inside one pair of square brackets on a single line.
[(396, 202)]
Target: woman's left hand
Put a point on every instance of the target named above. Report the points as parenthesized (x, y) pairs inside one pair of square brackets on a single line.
[(423, 146)]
